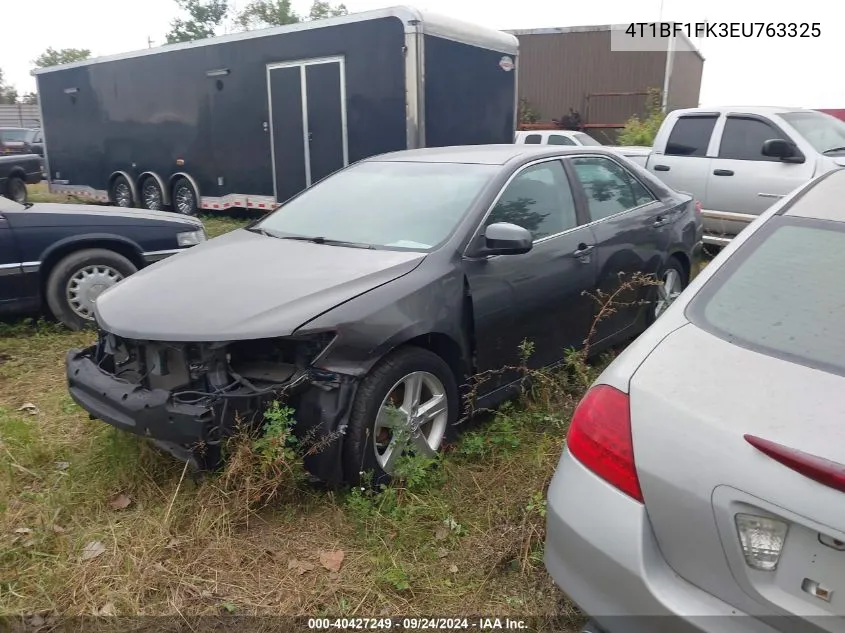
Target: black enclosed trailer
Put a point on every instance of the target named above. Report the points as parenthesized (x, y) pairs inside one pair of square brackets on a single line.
[(250, 119)]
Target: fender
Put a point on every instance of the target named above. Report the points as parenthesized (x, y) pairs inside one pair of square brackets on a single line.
[(165, 191), (190, 179), (129, 179), (54, 250)]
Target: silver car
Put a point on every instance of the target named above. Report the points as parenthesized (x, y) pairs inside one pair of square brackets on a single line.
[(702, 484)]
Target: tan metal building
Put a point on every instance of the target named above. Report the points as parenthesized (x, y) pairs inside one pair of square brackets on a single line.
[(583, 68)]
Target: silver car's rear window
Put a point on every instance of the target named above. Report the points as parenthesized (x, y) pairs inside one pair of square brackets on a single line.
[(782, 294)]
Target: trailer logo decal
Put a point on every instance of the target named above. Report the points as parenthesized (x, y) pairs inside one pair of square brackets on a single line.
[(506, 64)]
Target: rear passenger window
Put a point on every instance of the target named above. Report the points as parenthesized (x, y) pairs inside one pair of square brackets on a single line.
[(539, 199), (691, 136), (534, 139), (559, 139), (610, 188), (743, 139)]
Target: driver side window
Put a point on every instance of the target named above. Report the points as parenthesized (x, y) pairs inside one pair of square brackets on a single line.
[(538, 199)]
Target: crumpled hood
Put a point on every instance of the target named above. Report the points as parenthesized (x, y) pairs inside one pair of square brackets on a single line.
[(244, 285)]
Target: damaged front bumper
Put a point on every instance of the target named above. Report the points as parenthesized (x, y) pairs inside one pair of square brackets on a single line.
[(188, 398)]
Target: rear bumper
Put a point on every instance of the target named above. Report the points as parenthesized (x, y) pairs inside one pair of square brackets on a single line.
[(601, 551)]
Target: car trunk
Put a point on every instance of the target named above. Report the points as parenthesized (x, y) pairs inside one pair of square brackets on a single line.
[(693, 401)]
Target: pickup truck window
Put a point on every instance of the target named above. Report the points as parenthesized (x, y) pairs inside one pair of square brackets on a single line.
[(825, 133), (538, 199), (743, 139), (610, 189), (559, 139), (691, 136), (533, 139)]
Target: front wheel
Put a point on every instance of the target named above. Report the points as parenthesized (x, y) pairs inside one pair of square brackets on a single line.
[(16, 190), (408, 404), (77, 280)]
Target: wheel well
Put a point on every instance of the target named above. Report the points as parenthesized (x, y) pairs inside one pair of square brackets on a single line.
[(684, 261), (60, 253), (17, 172), (446, 348)]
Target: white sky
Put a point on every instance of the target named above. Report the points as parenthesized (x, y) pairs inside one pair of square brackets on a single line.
[(766, 71)]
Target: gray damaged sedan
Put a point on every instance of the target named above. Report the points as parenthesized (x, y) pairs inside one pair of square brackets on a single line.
[(370, 298)]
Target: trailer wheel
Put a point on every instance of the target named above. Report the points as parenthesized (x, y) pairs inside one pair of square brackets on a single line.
[(152, 197), (184, 197), (16, 190), (120, 193)]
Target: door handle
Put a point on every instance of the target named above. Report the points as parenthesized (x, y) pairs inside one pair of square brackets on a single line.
[(723, 172), (582, 251), (660, 221), (661, 168)]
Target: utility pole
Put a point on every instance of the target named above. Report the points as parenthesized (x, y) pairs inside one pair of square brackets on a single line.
[(149, 42)]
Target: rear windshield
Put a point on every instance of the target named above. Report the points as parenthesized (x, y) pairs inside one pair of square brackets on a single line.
[(782, 294), (12, 135)]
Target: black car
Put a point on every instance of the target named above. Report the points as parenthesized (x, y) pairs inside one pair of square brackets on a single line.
[(65, 255), (371, 297), (21, 140), (16, 172)]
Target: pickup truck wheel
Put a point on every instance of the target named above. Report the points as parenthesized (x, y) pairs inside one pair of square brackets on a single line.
[(184, 197), (77, 280), (408, 403), (120, 193), (673, 281), (16, 190), (152, 197)]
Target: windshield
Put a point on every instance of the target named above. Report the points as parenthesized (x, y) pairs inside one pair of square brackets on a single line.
[(781, 294), (14, 135), (821, 130), (586, 139), (402, 205)]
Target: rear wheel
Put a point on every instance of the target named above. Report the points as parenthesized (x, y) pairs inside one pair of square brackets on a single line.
[(184, 197), (152, 197), (673, 281), (407, 404), (78, 279), (120, 193), (16, 190)]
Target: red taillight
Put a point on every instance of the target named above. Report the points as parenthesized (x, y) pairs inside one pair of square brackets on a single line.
[(697, 207), (824, 471), (600, 438)]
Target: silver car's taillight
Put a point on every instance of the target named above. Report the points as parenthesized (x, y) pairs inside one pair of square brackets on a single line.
[(762, 540)]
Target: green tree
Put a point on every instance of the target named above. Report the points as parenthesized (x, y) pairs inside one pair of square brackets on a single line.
[(203, 19), (526, 112), (30, 98), (321, 9), (267, 13), (642, 131), (8, 94), (53, 57)]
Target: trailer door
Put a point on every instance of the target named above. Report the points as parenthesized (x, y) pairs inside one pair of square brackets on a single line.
[(307, 102)]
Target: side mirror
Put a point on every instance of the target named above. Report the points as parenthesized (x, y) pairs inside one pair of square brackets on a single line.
[(504, 238), (782, 149)]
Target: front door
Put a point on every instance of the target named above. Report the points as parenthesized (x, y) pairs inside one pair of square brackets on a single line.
[(307, 102), (536, 297), (11, 273)]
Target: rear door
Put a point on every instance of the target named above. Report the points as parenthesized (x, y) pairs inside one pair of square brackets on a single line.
[(11, 272), (741, 179), (685, 162), (763, 357), (631, 229)]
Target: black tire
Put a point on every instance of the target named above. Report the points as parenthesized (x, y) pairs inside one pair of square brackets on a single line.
[(58, 283), (120, 193), (152, 197), (16, 190), (184, 197), (673, 267), (359, 449)]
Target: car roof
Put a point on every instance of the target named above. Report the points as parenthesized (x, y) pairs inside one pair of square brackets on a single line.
[(485, 154), (746, 109), (821, 201)]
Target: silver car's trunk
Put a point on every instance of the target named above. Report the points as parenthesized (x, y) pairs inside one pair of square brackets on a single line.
[(692, 402)]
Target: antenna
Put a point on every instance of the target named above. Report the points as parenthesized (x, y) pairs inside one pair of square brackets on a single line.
[(149, 42)]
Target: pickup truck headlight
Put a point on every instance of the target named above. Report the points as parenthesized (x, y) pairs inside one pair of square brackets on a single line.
[(191, 238)]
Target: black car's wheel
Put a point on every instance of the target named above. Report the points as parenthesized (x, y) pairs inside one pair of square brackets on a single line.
[(16, 190), (120, 193), (78, 279), (408, 403), (184, 197), (152, 197), (673, 280)]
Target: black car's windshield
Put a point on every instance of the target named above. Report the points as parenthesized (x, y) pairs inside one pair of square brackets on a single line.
[(389, 204), (825, 133), (14, 135)]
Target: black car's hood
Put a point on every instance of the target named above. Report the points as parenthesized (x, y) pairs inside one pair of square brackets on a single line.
[(244, 286), (55, 214)]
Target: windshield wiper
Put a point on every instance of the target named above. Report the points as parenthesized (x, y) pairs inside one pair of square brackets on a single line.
[(834, 149), (259, 230), (329, 242)]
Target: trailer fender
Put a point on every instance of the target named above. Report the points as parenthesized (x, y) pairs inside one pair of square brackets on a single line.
[(129, 179), (165, 191), (190, 179)]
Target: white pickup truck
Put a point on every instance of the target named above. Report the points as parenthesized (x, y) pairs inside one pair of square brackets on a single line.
[(570, 137), (738, 161)]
